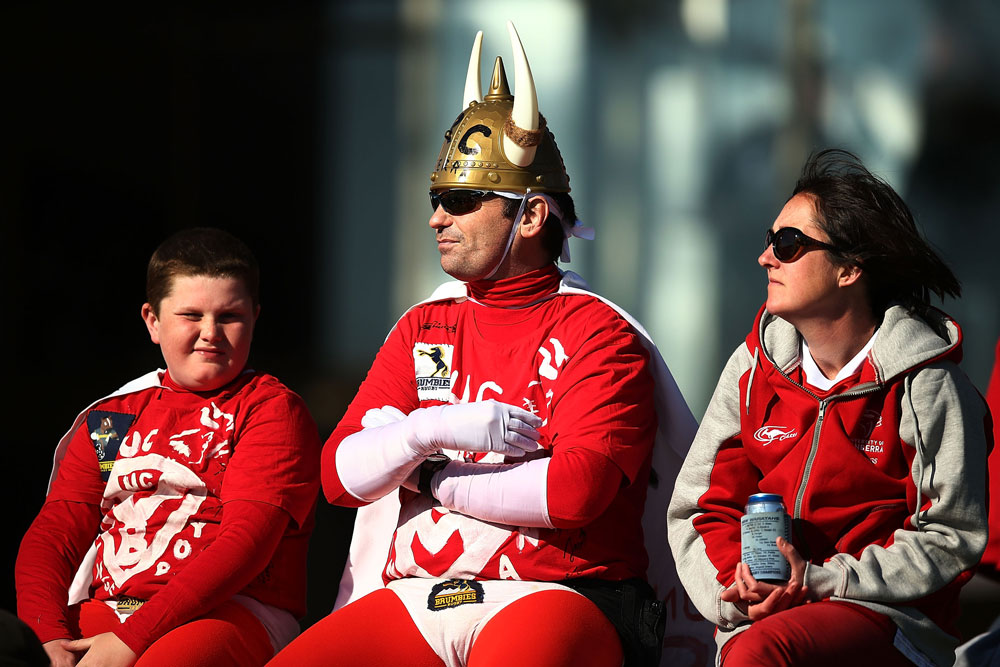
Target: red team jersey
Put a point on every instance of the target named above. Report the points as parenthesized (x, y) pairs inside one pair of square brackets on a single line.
[(571, 360), (162, 462)]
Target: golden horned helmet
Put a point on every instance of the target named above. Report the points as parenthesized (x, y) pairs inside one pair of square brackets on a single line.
[(500, 142)]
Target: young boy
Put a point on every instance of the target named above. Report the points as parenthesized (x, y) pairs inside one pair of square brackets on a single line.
[(199, 484)]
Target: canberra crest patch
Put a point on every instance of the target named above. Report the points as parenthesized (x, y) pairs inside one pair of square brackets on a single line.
[(454, 593), (432, 367)]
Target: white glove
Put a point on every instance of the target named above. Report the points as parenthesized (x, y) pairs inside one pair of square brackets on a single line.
[(487, 426), (509, 493), (378, 459), (382, 416)]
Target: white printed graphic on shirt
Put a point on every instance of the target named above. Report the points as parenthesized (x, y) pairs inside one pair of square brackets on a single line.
[(142, 490), (439, 543), (557, 355)]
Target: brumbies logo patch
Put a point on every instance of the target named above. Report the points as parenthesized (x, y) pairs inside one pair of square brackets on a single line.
[(107, 429), (126, 604), (432, 367), (454, 593)]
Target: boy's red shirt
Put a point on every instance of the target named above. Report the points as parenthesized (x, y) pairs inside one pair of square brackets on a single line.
[(172, 460)]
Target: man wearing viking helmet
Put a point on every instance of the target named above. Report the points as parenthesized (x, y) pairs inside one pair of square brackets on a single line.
[(525, 471)]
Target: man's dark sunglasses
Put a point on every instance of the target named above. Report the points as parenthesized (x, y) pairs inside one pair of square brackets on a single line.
[(789, 243), (459, 202)]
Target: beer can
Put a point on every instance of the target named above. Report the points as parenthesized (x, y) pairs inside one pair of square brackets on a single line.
[(764, 522)]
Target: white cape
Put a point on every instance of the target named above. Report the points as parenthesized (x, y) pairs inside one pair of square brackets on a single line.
[(688, 638), (80, 587)]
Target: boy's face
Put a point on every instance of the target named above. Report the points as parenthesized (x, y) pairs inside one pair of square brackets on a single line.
[(204, 328)]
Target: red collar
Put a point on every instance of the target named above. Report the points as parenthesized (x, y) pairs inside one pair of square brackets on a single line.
[(517, 291)]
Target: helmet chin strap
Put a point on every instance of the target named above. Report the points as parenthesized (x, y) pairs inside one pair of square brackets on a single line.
[(513, 231), (570, 229)]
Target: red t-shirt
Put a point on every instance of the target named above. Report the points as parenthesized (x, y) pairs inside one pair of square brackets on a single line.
[(162, 462)]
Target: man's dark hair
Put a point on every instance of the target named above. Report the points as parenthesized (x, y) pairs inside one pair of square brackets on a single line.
[(200, 251), (552, 231), (872, 227)]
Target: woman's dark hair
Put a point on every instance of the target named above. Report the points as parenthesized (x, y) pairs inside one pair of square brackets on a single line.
[(871, 226), (200, 251), (552, 231)]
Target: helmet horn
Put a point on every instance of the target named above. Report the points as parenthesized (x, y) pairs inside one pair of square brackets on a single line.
[(473, 87), (524, 115)]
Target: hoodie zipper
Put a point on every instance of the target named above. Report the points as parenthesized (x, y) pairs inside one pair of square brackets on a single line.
[(814, 445)]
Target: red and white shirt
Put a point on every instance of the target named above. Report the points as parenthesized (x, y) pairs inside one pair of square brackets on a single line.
[(570, 359), (161, 463)]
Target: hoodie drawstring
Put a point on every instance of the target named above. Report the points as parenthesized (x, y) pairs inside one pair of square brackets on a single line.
[(918, 444), (753, 369)]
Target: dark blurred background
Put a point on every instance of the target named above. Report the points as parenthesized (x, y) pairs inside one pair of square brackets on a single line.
[(309, 130), (120, 128)]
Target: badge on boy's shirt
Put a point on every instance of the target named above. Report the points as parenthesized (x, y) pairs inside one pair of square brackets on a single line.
[(107, 429)]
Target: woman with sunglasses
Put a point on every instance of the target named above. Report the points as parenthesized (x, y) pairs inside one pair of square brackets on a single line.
[(846, 400)]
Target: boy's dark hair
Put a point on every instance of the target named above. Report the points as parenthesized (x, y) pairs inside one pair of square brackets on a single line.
[(200, 251), (872, 227), (552, 231)]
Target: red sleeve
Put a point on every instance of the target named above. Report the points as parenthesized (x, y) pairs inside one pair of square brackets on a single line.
[(993, 395), (276, 457), (58, 538), (79, 475), (734, 479), (603, 423), (991, 559), (384, 385), (47, 561), (580, 486), (248, 535), (605, 399)]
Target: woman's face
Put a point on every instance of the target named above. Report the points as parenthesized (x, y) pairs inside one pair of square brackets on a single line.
[(808, 286)]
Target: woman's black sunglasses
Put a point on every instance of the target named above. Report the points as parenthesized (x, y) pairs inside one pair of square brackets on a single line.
[(789, 243), (459, 202)]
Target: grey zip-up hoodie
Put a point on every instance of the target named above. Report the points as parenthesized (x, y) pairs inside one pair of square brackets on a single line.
[(854, 465)]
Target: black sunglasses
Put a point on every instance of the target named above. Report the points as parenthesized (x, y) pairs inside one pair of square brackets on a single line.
[(789, 243), (459, 202)]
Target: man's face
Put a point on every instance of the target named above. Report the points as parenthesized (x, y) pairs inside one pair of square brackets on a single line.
[(473, 243), (204, 328)]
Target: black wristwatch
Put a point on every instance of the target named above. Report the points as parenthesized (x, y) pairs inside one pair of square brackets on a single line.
[(430, 465)]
